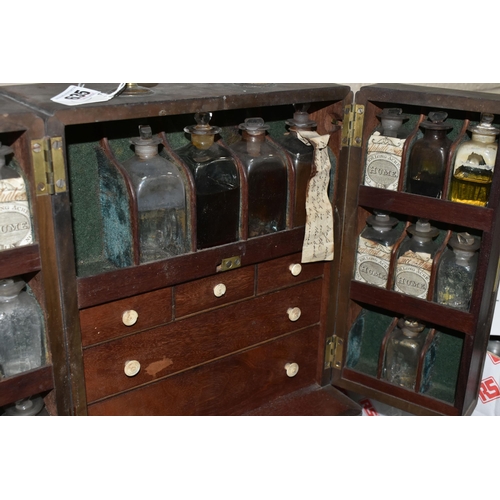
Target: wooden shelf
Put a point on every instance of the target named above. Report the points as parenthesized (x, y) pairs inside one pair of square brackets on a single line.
[(21, 260), (26, 384)]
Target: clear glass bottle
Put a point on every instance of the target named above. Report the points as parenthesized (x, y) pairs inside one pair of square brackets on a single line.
[(474, 164), (456, 271), (217, 184), (414, 260), (428, 157), (21, 329), (402, 353), (375, 244), (161, 200), (27, 407), (385, 150), (15, 219), (267, 179), (302, 158)]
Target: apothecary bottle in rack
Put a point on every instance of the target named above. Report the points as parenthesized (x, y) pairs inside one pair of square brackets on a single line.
[(375, 244), (161, 200), (402, 353), (302, 156), (385, 151), (428, 157), (267, 178), (474, 164), (414, 260), (456, 271), (21, 329), (15, 218), (217, 184)]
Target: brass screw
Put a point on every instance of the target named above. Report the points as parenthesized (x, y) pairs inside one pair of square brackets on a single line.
[(36, 147)]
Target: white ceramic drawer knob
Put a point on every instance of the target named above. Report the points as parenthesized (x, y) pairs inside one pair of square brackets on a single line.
[(294, 313), (291, 369), (132, 368), (295, 269), (219, 290), (129, 317)]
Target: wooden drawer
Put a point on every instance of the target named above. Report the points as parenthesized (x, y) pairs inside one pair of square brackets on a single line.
[(286, 271), (229, 386), (183, 344), (106, 322), (214, 291)]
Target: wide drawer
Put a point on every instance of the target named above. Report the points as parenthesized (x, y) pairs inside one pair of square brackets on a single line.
[(162, 351), (229, 386), (286, 271), (126, 316), (214, 291)]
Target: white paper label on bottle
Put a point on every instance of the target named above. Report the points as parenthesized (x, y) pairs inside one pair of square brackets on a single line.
[(413, 274), (383, 161), (372, 262), (75, 95), (15, 219), (318, 239)]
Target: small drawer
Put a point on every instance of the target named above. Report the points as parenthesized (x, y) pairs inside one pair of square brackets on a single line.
[(286, 271), (115, 319), (142, 358), (229, 386), (214, 291)]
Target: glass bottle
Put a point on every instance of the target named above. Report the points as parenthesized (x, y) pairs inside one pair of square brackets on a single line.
[(15, 219), (217, 184), (428, 157), (474, 164), (21, 329), (414, 260), (374, 250), (402, 353), (385, 149), (28, 407), (302, 158), (456, 271), (161, 200), (267, 179)]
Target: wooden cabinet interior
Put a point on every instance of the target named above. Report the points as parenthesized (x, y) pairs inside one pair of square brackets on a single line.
[(158, 339)]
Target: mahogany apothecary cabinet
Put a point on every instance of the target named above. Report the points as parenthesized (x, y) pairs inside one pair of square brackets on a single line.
[(190, 349)]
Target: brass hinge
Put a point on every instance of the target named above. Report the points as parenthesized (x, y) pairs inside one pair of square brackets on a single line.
[(333, 353), (352, 128), (229, 264), (48, 163)]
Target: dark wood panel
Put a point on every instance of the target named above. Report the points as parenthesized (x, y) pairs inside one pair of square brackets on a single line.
[(428, 312), (198, 339), (102, 288), (26, 384), (427, 208), (20, 260), (311, 401), (199, 295), (105, 322), (229, 386), (171, 98), (276, 274)]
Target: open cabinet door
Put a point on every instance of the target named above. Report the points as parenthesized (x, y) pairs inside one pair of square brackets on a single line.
[(449, 365)]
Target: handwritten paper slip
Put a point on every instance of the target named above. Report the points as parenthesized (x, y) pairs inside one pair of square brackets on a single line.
[(318, 239)]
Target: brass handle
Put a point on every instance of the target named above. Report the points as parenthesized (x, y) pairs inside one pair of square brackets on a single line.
[(219, 290), (291, 369), (295, 269), (132, 368), (130, 317), (294, 313)]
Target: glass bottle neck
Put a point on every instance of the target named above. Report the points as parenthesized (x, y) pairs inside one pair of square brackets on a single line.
[(485, 139), (145, 152), (433, 134)]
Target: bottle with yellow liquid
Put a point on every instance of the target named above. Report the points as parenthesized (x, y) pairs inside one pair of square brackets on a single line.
[(474, 164)]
